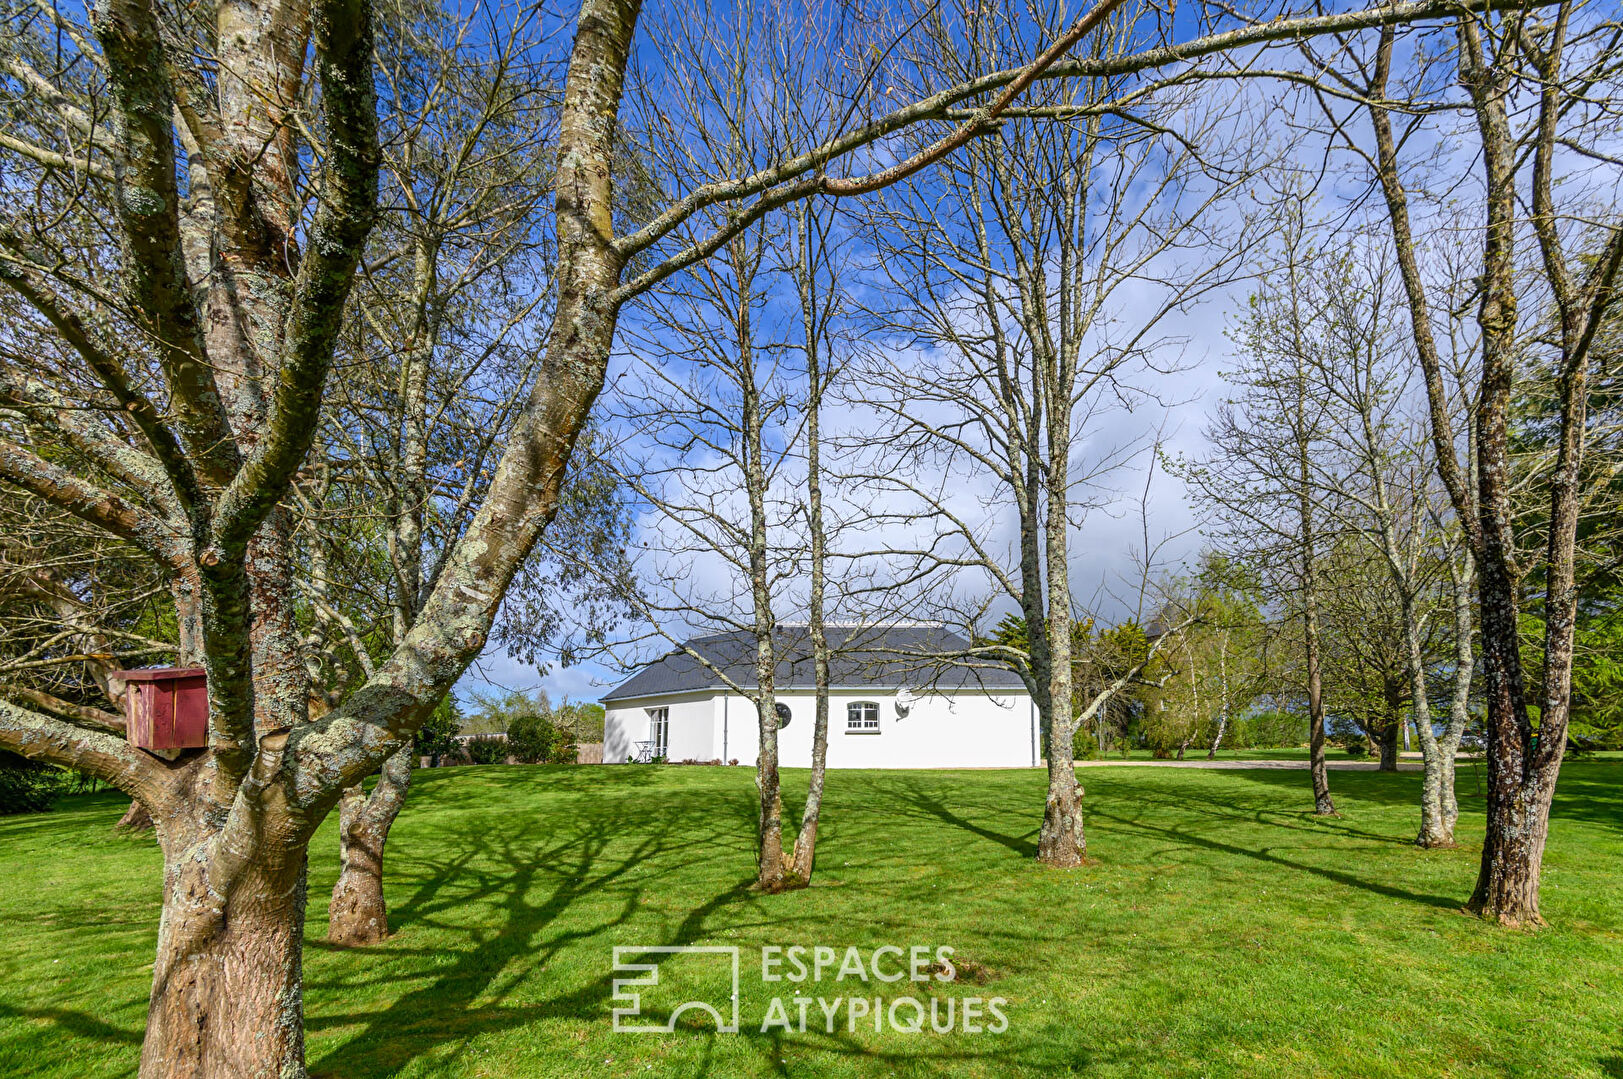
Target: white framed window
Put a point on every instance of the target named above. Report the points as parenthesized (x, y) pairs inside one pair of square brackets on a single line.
[(659, 731), (862, 717), (783, 714)]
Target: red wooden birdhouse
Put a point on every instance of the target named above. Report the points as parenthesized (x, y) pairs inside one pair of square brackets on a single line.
[(166, 707)]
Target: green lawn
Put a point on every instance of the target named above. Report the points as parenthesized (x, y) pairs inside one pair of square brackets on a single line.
[(1221, 932), (1287, 753)]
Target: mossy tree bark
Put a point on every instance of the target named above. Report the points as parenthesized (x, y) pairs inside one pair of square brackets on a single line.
[(358, 913), (227, 985), (1523, 761)]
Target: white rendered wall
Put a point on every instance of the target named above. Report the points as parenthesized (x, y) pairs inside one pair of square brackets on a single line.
[(969, 729), (692, 733)]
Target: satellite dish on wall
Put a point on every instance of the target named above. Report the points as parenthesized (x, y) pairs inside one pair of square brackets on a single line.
[(904, 702)]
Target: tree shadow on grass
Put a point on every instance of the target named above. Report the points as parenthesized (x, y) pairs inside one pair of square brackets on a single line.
[(920, 801), (576, 891), (1179, 795), (1186, 837), (1590, 791), (785, 1054), (1175, 798), (1264, 810), (76, 1023), (1380, 788), (599, 859)]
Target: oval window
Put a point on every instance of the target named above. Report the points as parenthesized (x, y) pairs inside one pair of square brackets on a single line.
[(784, 715)]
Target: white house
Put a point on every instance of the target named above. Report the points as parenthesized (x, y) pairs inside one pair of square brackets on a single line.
[(894, 702)]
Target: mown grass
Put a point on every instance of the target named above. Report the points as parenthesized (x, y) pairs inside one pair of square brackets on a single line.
[(1221, 931), (1195, 753)]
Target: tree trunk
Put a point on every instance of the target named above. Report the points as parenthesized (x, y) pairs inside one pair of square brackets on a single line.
[(1438, 810), (1459, 709), (1062, 842), (1323, 805), (227, 999), (769, 875), (1518, 806), (1223, 706), (805, 852), (770, 865), (1386, 741), (1513, 856), (135, 820), (358, 915)]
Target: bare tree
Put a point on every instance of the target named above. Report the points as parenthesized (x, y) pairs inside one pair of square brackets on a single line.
[(1258, 481), (1533, 85), (1381, 482), (816, 274), (712, 407), (742, 535), (1010, 269), (445, 297)]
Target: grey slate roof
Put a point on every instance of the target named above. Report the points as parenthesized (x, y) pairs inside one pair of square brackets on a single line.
[(867, 656)]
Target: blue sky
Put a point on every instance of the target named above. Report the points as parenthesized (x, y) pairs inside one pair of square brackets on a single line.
[(1106, 546)]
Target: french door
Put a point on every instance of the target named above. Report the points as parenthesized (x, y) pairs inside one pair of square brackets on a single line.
[(659, 731)]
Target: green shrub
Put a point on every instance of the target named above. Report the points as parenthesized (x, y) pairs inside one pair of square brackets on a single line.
[(537, 731), (532, 739), (1273, 730), (1084, 746), (437, 737), (536, 739), (485, 749), (27, 786)]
